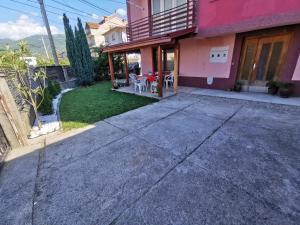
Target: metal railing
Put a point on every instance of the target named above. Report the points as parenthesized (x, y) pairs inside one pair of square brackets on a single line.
[(179, 18)]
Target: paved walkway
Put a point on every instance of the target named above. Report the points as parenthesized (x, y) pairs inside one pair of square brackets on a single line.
[(188, 159), (249, 96)]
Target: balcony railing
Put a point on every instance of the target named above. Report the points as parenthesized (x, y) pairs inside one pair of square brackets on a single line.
[(179, 18)]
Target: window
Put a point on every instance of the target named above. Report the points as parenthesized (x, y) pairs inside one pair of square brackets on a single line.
[(162, 5), (156, 6), (113, 36)]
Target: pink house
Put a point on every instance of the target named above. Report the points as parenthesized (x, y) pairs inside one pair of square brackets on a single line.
[(227, 41)]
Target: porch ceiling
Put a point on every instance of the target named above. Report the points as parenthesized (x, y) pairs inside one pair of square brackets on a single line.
[(133, 45)]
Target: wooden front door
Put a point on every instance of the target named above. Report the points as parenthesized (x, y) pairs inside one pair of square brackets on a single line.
[(262, 58)]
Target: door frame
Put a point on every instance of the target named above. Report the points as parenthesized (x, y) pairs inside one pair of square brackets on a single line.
[(259, 38)]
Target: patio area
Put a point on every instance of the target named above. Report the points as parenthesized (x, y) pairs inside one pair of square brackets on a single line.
[(168, 92), (189, 158), (248, 96)]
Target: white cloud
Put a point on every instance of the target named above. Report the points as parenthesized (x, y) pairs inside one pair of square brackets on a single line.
[(121, 12), (34, 13), (95, 16), (23, 27)]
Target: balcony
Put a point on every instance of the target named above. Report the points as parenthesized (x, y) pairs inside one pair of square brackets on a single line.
[(171, 21)]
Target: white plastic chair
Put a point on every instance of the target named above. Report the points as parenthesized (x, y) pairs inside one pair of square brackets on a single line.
[(153, 86), (169, 80), (133, 80), (141, 85)]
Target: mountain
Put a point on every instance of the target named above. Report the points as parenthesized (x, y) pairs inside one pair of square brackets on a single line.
[(36, 45)]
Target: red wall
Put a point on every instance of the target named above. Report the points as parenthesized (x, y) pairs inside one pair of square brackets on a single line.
[(233, 16)]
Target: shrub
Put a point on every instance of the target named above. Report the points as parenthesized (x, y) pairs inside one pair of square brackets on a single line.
[(46, 105), (53, 88), (50, 93), (273, 84)]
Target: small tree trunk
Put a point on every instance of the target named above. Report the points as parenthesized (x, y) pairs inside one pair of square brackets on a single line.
[(37, 117)]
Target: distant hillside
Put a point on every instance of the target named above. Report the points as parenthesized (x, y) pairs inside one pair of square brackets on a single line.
[(36, 45)]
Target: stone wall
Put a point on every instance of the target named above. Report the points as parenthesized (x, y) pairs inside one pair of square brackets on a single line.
[(58, 73)]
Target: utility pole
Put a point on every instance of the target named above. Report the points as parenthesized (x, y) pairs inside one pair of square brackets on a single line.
[(45, 18), (45, 49)]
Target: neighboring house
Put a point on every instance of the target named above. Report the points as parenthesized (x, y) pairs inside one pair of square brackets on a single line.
[(93, 34), (115, 35), (215, 43), (30, 61), (95, 31)]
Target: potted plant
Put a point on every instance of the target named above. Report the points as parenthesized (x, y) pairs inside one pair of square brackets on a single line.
[(115, 85), (238, 86), (285, 90), (273, 87)]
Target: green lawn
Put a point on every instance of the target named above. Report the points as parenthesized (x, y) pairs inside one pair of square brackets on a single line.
[(87, 105)]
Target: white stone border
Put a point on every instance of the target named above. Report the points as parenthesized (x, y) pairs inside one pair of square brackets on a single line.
[(50, 123)]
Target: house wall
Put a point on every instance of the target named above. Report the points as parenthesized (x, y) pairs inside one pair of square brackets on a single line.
[(120, 36), (234, 16), (194, 57), (296, 75), (137, 9), (96, 37), (146, 59)]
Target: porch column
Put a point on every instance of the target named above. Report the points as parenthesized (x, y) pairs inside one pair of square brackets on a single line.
[(160, 74), (176, 66), (111, 67), (126, 69)]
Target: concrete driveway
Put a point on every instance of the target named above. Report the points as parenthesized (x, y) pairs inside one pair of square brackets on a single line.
[(185, 160)]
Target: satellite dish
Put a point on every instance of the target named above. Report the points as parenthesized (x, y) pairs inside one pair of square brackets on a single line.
[(210, 80)]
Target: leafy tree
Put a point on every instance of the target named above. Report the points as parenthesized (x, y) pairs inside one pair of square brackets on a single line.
[(30, 85), (101, 67)]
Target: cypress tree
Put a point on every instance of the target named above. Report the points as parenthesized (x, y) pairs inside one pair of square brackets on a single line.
[(78, 55), (86, 59), (72, 51)]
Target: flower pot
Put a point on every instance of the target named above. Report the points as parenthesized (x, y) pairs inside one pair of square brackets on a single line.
[(285, 92), (272, 90), (237, 88), (115, 86)]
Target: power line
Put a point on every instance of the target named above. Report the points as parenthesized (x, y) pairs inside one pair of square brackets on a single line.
[(94, 6), (36, 7), (20, 11), (54, 7), (71, 7), (123, 3)]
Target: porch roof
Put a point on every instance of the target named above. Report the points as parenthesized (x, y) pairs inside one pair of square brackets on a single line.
[(133, 45)]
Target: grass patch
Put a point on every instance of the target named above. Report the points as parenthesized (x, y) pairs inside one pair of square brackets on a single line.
[(87, 105)]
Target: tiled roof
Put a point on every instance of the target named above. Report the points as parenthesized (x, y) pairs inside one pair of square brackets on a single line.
[(92, 25)]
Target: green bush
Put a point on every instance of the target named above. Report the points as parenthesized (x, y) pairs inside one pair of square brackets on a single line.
[(53, 88), (50, 93), (46, 105)]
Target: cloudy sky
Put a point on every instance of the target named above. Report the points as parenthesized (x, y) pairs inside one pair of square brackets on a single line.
[(22, 18)]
